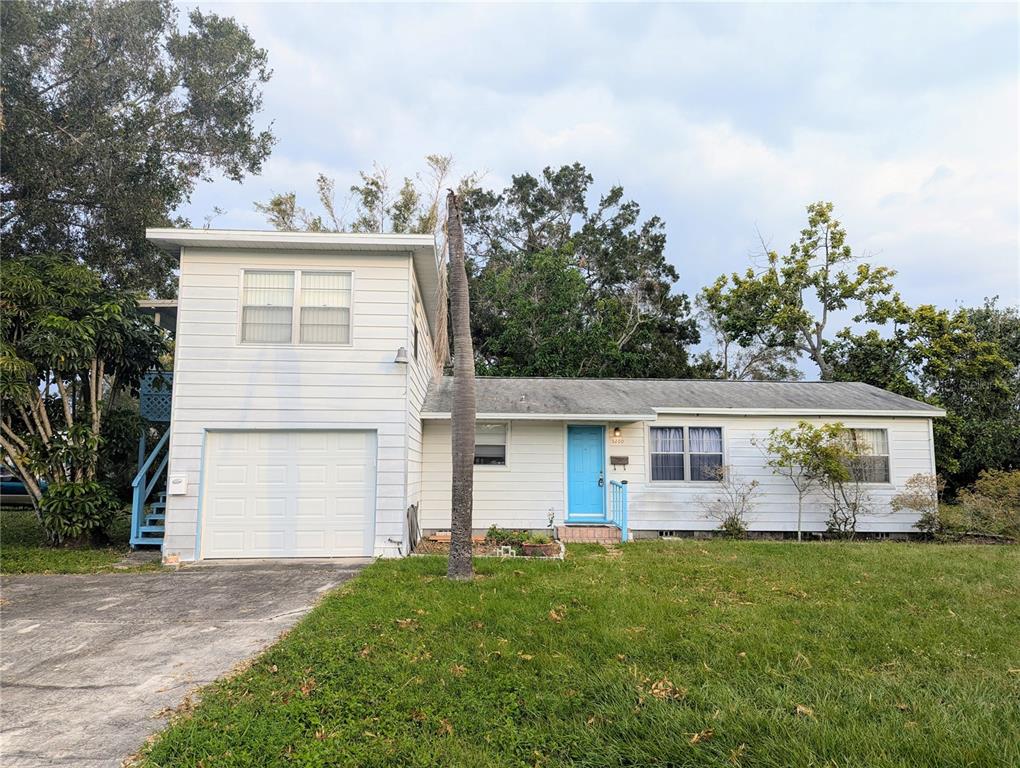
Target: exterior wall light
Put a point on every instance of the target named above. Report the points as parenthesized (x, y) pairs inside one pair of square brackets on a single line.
[(401, 356), (616, 431)]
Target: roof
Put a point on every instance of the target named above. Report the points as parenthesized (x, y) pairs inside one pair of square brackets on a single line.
[(643, 399), (422, 249)]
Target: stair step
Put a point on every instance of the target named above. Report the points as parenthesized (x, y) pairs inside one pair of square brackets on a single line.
[(152, 529), (158, 505), (592, 534), (155, 519)]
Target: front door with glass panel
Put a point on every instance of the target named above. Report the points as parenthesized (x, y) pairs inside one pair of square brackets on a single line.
[(586, 471)]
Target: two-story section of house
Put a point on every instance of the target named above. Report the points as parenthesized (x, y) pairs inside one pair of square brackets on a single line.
[(301, 364)]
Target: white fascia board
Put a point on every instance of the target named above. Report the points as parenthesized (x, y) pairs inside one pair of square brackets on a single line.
[(793, 412), (170, 237), (594, 417)]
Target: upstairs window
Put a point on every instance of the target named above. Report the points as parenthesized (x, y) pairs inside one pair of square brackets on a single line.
[(490, 444), (267, 314), (871, 455), (686, 453), (325, 307)]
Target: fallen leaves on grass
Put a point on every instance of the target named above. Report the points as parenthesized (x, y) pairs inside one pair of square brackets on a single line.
[(738, 753), (557, 613), (445, 727), (700, 736), (408, 623), (307, 687), (803, 711), (665, 690), (458, 670)]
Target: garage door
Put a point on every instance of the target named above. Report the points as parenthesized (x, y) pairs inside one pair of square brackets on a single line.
[(288, 494)]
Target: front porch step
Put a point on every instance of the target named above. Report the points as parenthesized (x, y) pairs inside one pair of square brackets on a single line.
[(588, 534)]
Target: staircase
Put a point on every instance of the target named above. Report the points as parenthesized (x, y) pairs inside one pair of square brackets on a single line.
[(589, 534), (150, 532)]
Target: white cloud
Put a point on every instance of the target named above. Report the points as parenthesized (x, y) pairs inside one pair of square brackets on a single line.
[(719, 119)]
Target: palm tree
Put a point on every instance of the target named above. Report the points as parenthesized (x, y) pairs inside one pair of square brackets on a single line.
[(463, 415)]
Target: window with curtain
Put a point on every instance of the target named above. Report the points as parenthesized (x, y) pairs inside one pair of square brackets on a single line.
[(325, 307), (706, 452), (667, 453), (267, 313), (871, 455), (490, 444)]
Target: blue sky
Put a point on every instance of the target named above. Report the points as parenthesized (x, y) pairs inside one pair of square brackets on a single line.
[(725, 120)]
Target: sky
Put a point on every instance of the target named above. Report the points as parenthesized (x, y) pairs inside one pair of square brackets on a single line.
[(724, 120)]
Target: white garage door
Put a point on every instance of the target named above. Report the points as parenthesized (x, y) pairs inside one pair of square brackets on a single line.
[(288, 494)]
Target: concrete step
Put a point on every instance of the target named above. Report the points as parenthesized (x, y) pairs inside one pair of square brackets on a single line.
[(589, 534)]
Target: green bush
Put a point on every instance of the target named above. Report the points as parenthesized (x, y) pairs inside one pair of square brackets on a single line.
[(118, 531), (992, 504), (74, 512), (503, 536), (537, 538), (990, 507)]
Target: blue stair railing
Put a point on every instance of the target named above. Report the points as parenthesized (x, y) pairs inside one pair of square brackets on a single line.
[(148, 524), (618, 507)]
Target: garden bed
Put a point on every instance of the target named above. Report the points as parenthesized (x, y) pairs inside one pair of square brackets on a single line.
[(497, 543)]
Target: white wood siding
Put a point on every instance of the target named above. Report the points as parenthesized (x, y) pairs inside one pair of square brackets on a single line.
[(518, 495), (522, 494), (421, 371), (220, 383)]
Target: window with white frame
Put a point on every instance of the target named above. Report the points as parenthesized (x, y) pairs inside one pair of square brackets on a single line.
[(870, 447), (682, 453), (325, 307), (322, 301), (490, 444), (267, 313)]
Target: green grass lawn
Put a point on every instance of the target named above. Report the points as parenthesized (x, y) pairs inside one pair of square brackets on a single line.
[(23, 549), (659, 654)]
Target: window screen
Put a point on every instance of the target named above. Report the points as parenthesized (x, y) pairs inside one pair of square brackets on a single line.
[(325, 307), (490, 444), (268, 307)]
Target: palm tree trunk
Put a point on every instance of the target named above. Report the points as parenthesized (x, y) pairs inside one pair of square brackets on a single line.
[(463, 415)]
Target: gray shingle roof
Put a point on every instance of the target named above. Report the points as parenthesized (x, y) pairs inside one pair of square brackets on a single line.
[(640, 397)]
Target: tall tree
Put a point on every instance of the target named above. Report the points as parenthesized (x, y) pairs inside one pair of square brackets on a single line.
[(69, 345), (958, 360), (540, 240), (462, 426), (112, 111), (789, 305), (728, 358)]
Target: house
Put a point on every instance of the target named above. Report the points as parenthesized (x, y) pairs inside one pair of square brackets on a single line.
[(308, 418)]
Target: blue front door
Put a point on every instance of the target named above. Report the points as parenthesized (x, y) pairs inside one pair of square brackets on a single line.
[(586, 498)]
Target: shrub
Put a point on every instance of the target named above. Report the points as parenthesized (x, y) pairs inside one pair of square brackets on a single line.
[(992, 504), (733, 504), (537, 538), (921, 496), (75, 511), (503, 536), (118, 531)]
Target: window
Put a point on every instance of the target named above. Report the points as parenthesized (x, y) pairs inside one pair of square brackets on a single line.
[(325, 307), (268, 307), (705, 452), (490, 444), (871, 455), (701, 461), (322, 300), (416, 341), (667, 453)]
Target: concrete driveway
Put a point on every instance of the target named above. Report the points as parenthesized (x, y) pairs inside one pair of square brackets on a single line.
[(89, 664)]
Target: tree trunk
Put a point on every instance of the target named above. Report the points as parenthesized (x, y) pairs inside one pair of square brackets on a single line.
[(463, 416)]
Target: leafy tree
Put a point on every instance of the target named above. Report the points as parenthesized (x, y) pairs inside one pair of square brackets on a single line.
[(956, 360), (416, 207), (69, 346), (790, 304), (540, 237), (807, 456), (729, 359), (112, 112), (462, 421)]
